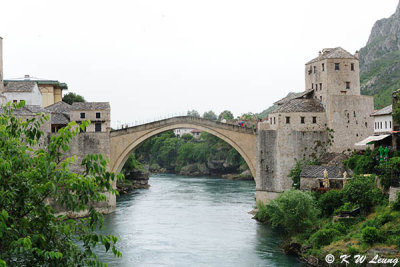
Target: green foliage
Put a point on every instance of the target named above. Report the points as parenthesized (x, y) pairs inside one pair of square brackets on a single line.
[(193, 113), (249, 116), (226, 114), (173, 153), (396, 204), (132, 164), (72, 97), (364, 163), (384, 73), (261, 214), (210, 115), (370, 234), (324, 237), (294, 211), (31, 176), (389, 171), (330, 201), (361, 190)]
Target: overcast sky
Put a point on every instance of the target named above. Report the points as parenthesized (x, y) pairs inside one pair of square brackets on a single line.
[(151, 58)]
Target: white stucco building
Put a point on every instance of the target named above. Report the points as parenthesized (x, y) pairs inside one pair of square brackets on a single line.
[(27, 91), (383, 120)]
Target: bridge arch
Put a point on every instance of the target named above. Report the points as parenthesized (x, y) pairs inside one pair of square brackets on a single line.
[(124, 141)]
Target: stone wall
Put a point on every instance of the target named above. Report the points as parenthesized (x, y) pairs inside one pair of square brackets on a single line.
[(92, 143), (279, 121), (277, 151), (349, 117)]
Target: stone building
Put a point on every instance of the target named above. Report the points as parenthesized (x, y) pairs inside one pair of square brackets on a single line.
[(312, 176), (330, 115), (97, 112)]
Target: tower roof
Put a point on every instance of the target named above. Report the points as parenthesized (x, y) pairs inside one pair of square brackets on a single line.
[(336, 52)]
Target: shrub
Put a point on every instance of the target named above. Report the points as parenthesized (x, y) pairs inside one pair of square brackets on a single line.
[(370, 234), (330, 201), (324, 237), (261, 214), (362, 191), (396, 204), (293, 210)]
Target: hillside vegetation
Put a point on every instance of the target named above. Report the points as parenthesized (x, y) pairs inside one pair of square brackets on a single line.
[(380, 60)]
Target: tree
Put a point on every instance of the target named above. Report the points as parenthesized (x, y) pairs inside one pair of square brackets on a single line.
[(295, 211), (226, 114), (34, 180), (193, 113), (72, 97), (249, 116), (210, 115)]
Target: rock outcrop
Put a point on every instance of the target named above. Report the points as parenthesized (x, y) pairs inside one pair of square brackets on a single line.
[(380, 60)]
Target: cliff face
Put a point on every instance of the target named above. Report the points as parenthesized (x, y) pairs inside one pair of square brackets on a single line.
[(380, 60)]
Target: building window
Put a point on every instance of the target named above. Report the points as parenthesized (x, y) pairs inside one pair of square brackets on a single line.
[(97, 115), (315, 69), (390, 123), (312, 86), (352, 66), (314, 119), (337, 66), (302, 119), (380, 125), (83, 115), (274, 120), (347, 85), (287, 120), (270, 120), (320, 97), (323, 67), (97, 127), (320, 86)]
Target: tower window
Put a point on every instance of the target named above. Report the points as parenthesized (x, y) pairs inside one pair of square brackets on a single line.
[(312, 86), (270, 120), (337, 66), (352, 66), (287, 120), (314, 119), (347, 85), (83, 115), (320, 86), (274, 121), (97, 115), (97, 127), (323, 67), (315, 69), (302, 119), (320, 97)]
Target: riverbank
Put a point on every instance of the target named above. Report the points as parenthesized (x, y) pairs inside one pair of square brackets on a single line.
[(315, 228)]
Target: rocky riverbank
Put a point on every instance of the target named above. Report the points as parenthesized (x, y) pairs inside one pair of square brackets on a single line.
[(135, 179)]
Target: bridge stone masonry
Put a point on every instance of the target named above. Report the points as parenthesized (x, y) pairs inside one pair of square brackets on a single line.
[(124, 141)]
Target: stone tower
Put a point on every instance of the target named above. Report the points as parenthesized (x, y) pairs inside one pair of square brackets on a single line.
[(334, 72), (334, 78), (1, 66)]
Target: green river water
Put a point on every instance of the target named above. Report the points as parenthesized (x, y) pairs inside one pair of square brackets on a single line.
[(192, 221)]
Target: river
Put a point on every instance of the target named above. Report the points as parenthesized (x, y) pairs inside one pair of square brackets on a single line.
[(192, 221)]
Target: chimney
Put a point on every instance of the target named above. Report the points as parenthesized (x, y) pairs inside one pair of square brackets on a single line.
[(1, 66), (356, 54)]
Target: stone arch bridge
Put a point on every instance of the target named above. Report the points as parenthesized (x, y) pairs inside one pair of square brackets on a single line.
[(124, 141)]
